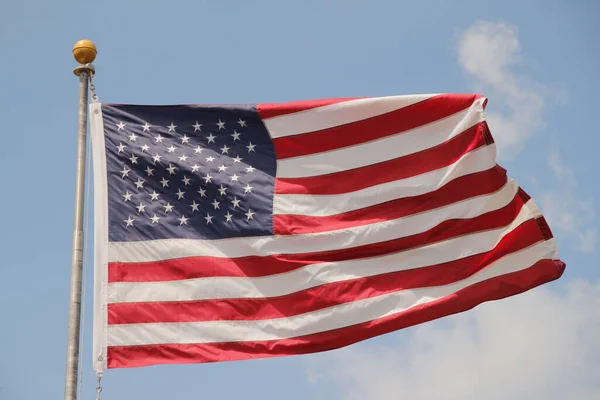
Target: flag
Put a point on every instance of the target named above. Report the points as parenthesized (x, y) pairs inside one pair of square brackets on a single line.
[(230, 232)]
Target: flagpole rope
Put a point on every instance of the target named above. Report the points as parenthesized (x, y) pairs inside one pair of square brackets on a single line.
[(85, 252)]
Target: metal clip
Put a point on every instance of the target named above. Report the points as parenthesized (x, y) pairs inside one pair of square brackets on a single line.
[(99, 386), (99, 375)]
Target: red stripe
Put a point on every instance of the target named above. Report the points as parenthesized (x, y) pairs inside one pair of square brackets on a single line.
[(402, 120), (413, 164), (459, 189), (492, 289), (270, 110), (323, 296), (256, 266)]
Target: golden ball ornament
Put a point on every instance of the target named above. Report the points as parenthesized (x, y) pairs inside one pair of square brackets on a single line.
[(84, 51)]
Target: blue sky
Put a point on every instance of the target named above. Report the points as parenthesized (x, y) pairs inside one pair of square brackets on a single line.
[(535, 61)]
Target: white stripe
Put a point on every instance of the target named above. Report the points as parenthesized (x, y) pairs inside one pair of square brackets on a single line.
[(146, 251), (317, 274), (341, 113), (388, 148), (477, 160), (327, 319)]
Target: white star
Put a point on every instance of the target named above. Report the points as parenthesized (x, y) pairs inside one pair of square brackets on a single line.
[(237, 159), (149, 171), (198, 150), (250, 215), (156, 158), (241, 122), (202, 192), (222, 190), (236, 202), (171, 149), (228, 217), (186, 180), (127, 196), (183, 158), (250, 169), (210, 159), (208, 218), (158, 139), (194, 206), (171, 169), (141, 208), (146, 127), (139, 183), (207, 178), (172, 127), (183, 220), (222, 168), (195, 168), (125, 172), (224, 150), (250, 147), (154, 195), (216, 204), (236, 136), (197, 127), (185, 139), (121, 147), (133, 159), (248, 188), (154, 219), (234, 178), (120, 126), (129, 221), (132, 137), (164, 182), (180, 194), (168, 208), (211, 138), (221, 124), (145, 147)]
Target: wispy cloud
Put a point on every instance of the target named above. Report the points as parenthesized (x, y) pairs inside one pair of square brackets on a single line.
[(539, 345), (566, 211), (488, 52)]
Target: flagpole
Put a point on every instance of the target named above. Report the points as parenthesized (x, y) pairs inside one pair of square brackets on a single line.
[(84, 52)]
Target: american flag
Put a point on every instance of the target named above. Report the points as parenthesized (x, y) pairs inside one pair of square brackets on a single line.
[(229, 232)]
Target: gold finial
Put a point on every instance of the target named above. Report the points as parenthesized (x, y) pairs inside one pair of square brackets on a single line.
[(84, 51)]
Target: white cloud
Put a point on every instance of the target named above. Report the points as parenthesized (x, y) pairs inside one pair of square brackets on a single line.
[(488, 53), (539, 345)]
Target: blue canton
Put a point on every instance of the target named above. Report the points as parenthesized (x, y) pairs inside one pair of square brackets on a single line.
[(189, 172)]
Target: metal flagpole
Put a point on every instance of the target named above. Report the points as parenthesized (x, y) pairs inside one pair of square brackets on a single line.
[(85, 53)]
